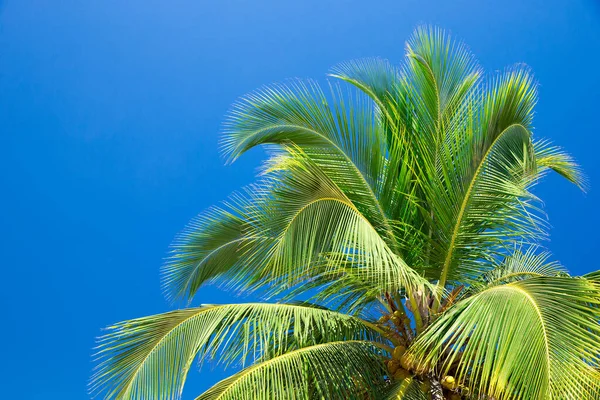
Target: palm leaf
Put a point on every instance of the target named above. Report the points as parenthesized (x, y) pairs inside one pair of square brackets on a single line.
[(593, 276), (533, 339), (317, 228), (495, 208), (345, 143), (150, 357), (518, 265), (378, 79), (407, 389), (207, 249), (335, 370), (549, 157), (441, 73)]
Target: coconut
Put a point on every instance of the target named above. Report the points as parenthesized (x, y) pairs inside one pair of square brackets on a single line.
[(401, 374), (406, 361), (393, 366), (449, 382), (398, 352)]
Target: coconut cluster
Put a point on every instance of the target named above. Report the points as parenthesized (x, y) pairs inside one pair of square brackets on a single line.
[(403, 365)]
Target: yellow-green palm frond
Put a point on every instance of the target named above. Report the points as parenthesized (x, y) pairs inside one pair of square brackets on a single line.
[(550, 157), (378, 79), (593, 276), (294, 226), (208, 249), (532, 339), (149, 357), (336, 370), (319, 232), (407, 389), (509, 99), (441, 74), (339, 132), (521, 263), (486, 207)]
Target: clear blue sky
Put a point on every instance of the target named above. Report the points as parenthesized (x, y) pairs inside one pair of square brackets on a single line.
[(109, 121)]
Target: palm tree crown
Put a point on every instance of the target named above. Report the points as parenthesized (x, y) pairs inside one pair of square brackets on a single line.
[(397, 204)]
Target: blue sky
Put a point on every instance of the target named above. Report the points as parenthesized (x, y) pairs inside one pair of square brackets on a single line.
[(109, 121)]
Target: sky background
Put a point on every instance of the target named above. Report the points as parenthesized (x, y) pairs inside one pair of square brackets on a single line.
[(110, 114)]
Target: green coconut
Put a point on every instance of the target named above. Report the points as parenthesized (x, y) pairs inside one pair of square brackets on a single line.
[(398, 352), (449, 382), (393, 366)]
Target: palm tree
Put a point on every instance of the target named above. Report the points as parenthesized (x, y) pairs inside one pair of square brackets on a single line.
[(394, 223)]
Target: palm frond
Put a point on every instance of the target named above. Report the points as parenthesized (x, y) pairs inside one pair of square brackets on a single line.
[(593, 276), (532, 339), (407, 389), (387, 86), (318, 229), (346, 143), (549, 157), (482, 201), (207, 249), (490, 209), (149, 357), (520, 264), (442, 73), (378, 79), (335, 370), (509, 99)]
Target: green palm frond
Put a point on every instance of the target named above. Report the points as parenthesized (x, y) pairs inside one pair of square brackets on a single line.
[(593, 276), (407, 389), (441, 73), (208, 248), (509, 100), (150, 357), (487, 165), (493, 207), (257, 240), (518, 265), (378, 79), (387, 86), (301, 114), (549, 157), (346, 144), (532, 339), (337, 370), (320, 232)]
